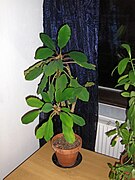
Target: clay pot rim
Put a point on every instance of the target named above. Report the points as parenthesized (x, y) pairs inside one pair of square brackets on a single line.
[(66, 150)]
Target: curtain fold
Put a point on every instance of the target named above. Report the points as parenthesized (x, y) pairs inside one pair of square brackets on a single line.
[(83, 18)]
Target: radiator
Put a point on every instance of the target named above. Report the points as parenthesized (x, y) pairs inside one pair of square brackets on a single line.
[(103, 142)]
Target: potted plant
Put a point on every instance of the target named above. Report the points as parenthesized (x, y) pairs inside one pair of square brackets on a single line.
[(125, 168), (58, 92)]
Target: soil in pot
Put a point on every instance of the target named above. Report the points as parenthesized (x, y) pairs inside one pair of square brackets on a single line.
[(61, 143), (66, 153)]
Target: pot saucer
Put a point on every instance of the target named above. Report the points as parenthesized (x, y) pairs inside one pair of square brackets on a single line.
[(78, 161)]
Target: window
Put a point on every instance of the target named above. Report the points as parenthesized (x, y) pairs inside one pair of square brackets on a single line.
[(116, 26)]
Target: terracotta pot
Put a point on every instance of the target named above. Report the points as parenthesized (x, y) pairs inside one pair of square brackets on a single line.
[(66, 158)]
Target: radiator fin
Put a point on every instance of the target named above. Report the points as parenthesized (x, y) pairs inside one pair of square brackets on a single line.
[(103, 142)]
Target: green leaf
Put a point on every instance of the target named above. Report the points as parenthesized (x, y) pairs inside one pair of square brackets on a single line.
[(78, 56), (132, 94), (122, 77), (74, 83), (58, 96), (81, 59), (42, 84), (130, 112), (43, 53), (47, 41), (34, 101), (126, 86), (33, 71), (132, 149), (59, 65), (122, 65), (68, 134), (132, 100), (61, 82), (30, 116), (64, 36), (132, 76), (51, 68), (83, 94), (45, 97), (65, 109), (87, 65), (127, 47), (67, 94), (123, 125), (47, 107), (114, 141), (51, 92), (89, 84), (125, 94), (77, 119), (66, 119), (46, 130), (111, 132), (125, 135)]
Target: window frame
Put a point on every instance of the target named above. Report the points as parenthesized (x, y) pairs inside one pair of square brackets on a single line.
[(111, 96)]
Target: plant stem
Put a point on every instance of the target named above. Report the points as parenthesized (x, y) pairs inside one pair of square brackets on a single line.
[(73, 107)]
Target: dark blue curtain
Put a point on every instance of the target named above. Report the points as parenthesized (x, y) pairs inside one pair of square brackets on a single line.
[(83, 18)]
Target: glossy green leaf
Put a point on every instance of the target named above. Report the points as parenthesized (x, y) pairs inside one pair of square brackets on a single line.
[(66, 119), (132, 100), (87, 65), (40, 131), (47, 107), (30, 116), (122, 77), (130, 112), (83, 94), (45, 97), (125, 135), (123, 125), (64, 36), (77, 119), (122, 82), (43, 53), (111, 132), (65, 109), (51, 92), (132, 76), (32, 73), (67, 94), (125, 94), (126, 86), (58, 96), (81, 59), (34, 101), (42, 84), (68, 134), (51, 68), (46, 130), (132, 149), (122, 65), (89, 84), (60, 65), (47, 41), (132, 94), (74, 83), (127, 47), (78, 56), (114, 141), (61, 82)]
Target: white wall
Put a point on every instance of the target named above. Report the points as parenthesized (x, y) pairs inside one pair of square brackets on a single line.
[(20, 24)]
